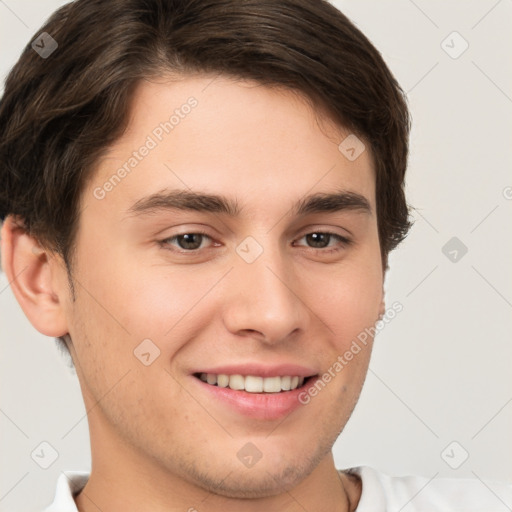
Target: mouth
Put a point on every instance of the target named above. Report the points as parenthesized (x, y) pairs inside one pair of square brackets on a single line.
[(256, 384), (253, 390)]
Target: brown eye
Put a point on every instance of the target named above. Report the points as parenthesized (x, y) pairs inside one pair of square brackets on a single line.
[(320, 240), (186, 242)]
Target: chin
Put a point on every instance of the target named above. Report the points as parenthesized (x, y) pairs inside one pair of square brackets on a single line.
[(274, 473), (254, 483)]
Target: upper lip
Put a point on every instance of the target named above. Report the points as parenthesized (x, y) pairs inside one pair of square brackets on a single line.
[(260, 370)]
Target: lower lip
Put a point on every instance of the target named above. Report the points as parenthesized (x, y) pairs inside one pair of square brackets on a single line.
[(263, 406)]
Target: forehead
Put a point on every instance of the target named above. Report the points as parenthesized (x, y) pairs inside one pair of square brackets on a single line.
[(256, 144)]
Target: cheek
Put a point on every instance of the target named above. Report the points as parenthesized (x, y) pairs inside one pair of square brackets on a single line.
[(134, 299), (352, 300)]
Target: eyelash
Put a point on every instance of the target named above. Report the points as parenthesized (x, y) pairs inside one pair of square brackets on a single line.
[(343, 240)]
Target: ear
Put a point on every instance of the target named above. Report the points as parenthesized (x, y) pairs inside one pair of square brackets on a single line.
[(36, 279), (382, 308)]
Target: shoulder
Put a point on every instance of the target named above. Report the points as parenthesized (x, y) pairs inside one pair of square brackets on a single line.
[(381, 491)]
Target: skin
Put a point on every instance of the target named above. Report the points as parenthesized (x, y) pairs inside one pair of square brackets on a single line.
[(156, 442)]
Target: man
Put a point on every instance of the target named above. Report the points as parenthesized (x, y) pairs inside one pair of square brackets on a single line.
[(200, 199)]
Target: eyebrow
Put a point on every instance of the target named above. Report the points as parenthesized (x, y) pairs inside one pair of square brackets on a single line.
[(321, 202)]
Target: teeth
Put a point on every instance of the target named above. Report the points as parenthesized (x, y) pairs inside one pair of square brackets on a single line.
[(236, 382), (272, 385), (223, 381), (286, 383), (252, 383)]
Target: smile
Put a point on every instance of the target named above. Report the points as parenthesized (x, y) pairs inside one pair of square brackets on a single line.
[(259, 397), (253, 383)]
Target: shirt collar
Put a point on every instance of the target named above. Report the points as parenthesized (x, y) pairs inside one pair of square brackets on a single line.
[(69, 484)]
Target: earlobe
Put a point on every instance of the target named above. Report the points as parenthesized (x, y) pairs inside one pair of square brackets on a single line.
[(33, 274), (382, 309)]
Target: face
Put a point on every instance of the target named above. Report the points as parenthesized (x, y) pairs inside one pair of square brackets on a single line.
[(170, 288)]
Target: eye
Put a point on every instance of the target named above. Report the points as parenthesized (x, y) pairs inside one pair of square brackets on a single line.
[(192, 242), (321, 240), (187, 242)]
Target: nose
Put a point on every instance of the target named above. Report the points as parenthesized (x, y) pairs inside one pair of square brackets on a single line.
[(264, 299)]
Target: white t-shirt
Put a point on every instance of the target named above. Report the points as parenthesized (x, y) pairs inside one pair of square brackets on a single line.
[(380, 493)]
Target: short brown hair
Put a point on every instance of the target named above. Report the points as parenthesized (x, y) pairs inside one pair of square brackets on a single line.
[(59, 114)]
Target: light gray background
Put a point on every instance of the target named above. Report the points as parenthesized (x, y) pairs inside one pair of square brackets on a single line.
[(440, 371)]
